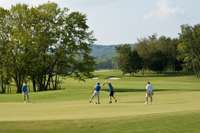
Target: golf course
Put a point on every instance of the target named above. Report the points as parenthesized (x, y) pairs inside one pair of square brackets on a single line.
[(99, 66), (175, 106)]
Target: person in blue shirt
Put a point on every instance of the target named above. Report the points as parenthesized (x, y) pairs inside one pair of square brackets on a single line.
[(96, 93), (111, 92), (25, 92)]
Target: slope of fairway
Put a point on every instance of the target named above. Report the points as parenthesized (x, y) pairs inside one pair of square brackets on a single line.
[(128, 105)]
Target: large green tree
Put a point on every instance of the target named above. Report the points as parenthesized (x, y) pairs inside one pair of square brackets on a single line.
[(124, 52), (157, 61), (129, 60), (168, 47), (153, 50), (189, 47), (4, 39), (44, 42), (136, 62)]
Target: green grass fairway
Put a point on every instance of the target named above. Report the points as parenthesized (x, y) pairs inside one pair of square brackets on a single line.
[(176, 107)]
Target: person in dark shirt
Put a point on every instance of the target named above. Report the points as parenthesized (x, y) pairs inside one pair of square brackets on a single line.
[(111, 92)]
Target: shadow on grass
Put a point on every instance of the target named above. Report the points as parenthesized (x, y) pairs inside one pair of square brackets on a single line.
[(150, 74), (164, 74), (157, 90), (139, 101)]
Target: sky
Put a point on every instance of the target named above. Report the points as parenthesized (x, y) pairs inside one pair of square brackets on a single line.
[(125, 21)]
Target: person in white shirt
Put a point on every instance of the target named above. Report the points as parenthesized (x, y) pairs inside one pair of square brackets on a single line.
[(149, 93)]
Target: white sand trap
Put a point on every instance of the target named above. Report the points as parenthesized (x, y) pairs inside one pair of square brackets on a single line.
[(103, 70), (95, 78), (114, 78)]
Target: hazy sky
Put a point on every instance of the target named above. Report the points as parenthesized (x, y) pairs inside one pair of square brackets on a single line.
[(124, 21)]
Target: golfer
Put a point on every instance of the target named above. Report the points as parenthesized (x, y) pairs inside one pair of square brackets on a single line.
[(111, 92), (149, 93), (96, 93), (25, 92)]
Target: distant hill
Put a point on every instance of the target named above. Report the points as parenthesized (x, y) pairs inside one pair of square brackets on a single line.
[(103, 51), (104, 56)]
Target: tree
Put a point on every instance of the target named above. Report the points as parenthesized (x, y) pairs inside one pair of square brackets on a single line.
[(136, 62), (4, 39), (168, 47), (128, 60), (45, 42), (149, 47), (145, 47), (189, 47), (158, 61), (19, 39), (178, 65), (124, 52)]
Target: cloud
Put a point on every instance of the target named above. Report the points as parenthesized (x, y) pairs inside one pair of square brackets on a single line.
[(163, 10)]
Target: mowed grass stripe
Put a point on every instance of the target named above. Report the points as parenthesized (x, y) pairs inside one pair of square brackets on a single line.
[(179, 122)]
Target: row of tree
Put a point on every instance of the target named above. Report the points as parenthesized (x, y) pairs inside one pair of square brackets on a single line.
[(163, 53), (40, 43)]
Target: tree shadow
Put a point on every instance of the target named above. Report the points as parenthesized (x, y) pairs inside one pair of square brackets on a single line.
[(121, 90), (138, 101), (164, 74)]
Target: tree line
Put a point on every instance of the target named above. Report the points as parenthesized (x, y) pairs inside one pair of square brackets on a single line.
[(40, 44), (163, 53)]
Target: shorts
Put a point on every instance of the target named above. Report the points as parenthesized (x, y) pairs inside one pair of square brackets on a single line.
[(25, 93), (111, 93), (96, 93), (149, 94)]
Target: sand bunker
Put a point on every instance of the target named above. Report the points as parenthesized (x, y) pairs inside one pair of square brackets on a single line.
[(113, 78), (95, 78)]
